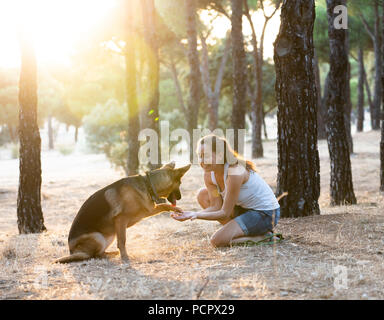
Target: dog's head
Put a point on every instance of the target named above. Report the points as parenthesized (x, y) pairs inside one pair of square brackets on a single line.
[(173, 181)]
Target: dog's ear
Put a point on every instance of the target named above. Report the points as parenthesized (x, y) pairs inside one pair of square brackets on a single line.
[(170, 165), (179, 172)]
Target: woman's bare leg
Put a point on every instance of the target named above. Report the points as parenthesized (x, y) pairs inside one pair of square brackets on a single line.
[(225, 235), (203, 198), (231, 234)]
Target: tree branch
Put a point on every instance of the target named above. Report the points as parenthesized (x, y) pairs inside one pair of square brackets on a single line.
[(204, 68), (367, 28), (219, 8), (179, 92), (220, 74)]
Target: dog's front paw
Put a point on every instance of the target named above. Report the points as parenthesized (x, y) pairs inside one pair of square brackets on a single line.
[(124, 259)]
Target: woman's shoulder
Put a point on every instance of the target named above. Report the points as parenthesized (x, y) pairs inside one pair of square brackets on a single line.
[(236, 168), (238, 171)]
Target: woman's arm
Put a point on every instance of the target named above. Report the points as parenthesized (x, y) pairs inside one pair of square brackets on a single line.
[(215, 200), (233, 185)]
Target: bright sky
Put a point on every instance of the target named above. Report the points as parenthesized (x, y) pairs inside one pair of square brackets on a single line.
[(222, 24), (57, 25)]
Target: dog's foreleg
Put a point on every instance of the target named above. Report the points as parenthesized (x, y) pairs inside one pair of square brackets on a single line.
[(164, 207), (121, 229)]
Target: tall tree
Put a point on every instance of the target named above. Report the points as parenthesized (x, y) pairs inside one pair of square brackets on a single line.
[(239, 75), (213, 94), (256, 109), (382, 119), (359, 43), (151, 112), (321, 43), (193, 105), (321, 131), (376, 36), (361, 95), (131, 90), (348, 105), (256, 95), (341, 174), (29, 213), (298, 157)]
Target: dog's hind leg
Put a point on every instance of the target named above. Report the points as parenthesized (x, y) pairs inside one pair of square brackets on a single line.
[(77, 256), (85, 247)]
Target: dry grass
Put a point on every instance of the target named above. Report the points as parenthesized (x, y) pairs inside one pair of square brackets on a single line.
[(173, 260)]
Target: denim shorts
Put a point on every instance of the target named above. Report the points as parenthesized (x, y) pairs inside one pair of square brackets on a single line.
[(256, 222)]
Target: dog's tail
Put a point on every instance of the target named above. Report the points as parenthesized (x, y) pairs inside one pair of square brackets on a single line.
[(282, 196), (77, 256)]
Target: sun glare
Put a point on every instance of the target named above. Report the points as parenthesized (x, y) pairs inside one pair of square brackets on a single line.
[(55, 26)]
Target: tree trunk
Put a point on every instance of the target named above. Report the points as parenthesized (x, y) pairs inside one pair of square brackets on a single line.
[(76, 134), (321, 133), (298, 157), (257, 145), (369, 97), (239, 75), (348, 105), (382, 151), (258, 115), (29, 213), (50, 134), (213, 95), (176, 81), (131, 94), (379, 70), (324, 107), (193, 105), (12, 133), (265, 127), (382, 116), (151, 119), (361, 97), (341, 175)]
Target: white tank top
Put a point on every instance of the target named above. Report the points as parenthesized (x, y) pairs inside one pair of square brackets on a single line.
[(255, 194)]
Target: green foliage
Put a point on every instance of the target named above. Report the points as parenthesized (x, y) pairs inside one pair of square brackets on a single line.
[(105, 126), (320, 33), (118, 155), (169, 105), (269, 79), (172, 15), (65, 149)]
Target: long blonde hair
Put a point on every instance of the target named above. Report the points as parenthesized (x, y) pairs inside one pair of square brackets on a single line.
[(214, 140)]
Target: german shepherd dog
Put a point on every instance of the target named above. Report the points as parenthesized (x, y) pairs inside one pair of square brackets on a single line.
[(113, 209)]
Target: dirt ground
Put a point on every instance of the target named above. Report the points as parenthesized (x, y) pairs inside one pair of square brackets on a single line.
[(337, 255)]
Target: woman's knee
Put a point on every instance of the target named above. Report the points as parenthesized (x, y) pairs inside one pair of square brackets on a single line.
[(217, 241), (224, 236), (203, 198), (220, 239)]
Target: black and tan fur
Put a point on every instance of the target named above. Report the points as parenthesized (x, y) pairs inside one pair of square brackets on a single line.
[(110, 211)]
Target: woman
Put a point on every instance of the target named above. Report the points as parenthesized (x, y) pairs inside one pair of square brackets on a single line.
[(235, 195)]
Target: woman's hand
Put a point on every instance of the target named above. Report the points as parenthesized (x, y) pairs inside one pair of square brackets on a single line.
[(183, 216), (177, 210)]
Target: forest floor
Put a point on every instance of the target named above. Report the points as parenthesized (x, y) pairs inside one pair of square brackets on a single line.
[(337, 255)]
